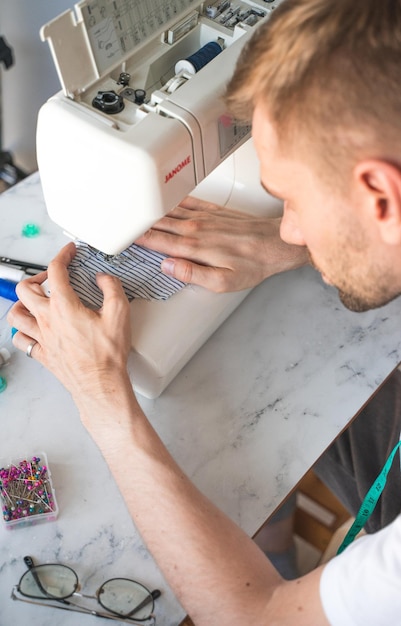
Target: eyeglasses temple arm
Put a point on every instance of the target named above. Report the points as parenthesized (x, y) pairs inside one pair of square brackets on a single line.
[(154, 594), (77, 609)]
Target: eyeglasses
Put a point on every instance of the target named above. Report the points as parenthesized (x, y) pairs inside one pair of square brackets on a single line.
[(124, 599)]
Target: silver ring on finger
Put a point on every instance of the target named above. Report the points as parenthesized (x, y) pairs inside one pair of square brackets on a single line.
[(30, 348)]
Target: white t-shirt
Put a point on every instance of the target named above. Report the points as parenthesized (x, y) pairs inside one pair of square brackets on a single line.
[(362, 586)]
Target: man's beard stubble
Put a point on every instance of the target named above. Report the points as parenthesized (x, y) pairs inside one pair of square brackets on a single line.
[(358, 303)]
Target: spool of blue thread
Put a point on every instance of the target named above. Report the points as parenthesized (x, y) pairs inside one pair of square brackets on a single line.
[(7, 289), (199, 59)]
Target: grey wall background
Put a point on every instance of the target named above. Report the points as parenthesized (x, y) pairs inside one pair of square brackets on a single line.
[(32, 79)]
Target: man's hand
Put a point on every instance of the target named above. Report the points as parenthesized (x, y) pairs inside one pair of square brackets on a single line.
[(86, 350), (221, 249)]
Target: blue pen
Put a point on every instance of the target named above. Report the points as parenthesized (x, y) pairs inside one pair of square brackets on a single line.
[(7, 290)]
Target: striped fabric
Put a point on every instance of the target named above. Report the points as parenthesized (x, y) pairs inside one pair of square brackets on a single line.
[(136, 267)]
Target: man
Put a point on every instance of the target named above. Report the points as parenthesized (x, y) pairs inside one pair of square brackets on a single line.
[(343, 114), (321, 82)]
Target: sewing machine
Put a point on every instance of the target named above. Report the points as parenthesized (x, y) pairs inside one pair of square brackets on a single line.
[(139, 124)]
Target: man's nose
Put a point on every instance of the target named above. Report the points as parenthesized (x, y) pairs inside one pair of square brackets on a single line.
[(289, 229)]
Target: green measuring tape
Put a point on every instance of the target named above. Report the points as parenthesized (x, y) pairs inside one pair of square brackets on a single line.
[(370, 501)]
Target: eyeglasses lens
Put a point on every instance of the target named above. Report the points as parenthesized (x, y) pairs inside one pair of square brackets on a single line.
[(126, 598), (49, 581)]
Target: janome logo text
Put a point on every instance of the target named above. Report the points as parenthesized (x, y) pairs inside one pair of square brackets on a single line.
[(177, 169)]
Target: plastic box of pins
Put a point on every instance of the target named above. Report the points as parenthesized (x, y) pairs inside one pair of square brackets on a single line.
[(26, 491)]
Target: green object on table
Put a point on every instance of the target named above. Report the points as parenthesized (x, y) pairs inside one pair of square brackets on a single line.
[(30, 230)]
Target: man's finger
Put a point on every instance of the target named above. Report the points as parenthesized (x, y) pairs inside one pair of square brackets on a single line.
[(114, 297), (57, 269), (212, 278)]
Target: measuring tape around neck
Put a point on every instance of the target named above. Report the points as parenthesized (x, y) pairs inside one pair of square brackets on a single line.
[(369, 502)]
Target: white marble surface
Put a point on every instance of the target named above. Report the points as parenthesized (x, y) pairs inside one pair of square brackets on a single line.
[(246, 418)]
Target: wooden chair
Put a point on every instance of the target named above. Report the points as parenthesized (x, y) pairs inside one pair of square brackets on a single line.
[(318, 514)]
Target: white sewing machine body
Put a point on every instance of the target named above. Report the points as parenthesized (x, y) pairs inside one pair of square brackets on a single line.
[(107, 177)]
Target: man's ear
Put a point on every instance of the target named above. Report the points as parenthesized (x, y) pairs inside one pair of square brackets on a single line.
[(380, 185)]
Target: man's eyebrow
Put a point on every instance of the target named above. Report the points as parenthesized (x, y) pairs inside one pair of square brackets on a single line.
[(273, 193)]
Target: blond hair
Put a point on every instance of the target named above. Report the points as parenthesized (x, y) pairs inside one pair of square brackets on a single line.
[(329, 71)]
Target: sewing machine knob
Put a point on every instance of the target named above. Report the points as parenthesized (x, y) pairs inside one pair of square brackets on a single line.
[(108, 102), (124, 79), (140, 95)]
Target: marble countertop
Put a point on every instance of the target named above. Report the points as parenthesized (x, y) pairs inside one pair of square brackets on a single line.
[(245, 418)]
